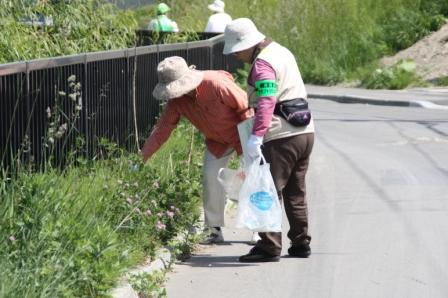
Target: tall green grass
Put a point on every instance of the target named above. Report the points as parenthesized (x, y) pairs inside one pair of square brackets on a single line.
[(78, 26), (72, 233), (331, 39)]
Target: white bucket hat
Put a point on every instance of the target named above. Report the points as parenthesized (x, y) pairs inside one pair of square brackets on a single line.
[(241, 34), (175, 78), (217, 6)]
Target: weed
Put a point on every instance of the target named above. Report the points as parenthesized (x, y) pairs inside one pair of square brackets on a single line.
[(399, 76), (149, 285), (441, 82)]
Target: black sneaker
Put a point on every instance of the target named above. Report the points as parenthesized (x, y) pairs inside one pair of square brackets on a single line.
[(256, 254), (300, 251)]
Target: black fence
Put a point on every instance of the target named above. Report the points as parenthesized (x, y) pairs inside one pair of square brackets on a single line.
[(69, 105)]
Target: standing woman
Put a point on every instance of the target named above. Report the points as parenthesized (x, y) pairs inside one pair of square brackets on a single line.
[(275, 78), (218, 21), (162, 22)]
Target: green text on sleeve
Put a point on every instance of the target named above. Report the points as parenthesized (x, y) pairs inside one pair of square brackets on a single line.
[(266, 88)]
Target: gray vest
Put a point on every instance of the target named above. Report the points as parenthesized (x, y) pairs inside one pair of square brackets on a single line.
[(290, 85)]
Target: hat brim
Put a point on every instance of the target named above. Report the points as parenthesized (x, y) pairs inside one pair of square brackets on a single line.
[(215, 8), (241, 45), (177, 88)]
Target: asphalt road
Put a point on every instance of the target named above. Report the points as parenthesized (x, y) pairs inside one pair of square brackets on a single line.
[(378, 197)]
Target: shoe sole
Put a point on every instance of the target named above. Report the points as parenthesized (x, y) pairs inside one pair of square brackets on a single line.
[(211, 242), (263, 260), (302, 256)]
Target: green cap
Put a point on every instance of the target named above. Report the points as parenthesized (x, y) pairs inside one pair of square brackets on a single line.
[(162, 8)]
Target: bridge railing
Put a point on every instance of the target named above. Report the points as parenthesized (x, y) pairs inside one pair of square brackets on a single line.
[(67, 105)]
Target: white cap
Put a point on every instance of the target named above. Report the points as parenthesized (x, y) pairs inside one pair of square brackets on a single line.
[(241, 34), (217, 6)]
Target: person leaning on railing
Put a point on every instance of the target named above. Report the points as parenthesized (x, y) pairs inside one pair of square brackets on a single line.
[(214, 104), (162, 22), (274, 79)]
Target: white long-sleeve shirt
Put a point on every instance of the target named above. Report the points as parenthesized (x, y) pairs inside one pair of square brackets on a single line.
[(218, 22)]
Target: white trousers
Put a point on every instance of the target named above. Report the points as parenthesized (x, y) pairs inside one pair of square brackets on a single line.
[(214, 197)]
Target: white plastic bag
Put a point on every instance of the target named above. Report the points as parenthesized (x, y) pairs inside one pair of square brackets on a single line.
[(244, 132), (259, 208), (231, 180)]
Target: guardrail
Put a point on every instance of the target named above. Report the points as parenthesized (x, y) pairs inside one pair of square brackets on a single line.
[(56, 106)]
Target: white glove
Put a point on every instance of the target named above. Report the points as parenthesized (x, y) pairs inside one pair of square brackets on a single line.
[(253, 146)]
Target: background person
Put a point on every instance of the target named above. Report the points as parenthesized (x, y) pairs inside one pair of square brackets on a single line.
[(214, 104), (218, 21), (275, 77), (162, 22)]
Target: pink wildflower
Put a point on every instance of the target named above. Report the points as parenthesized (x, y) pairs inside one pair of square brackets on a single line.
[(12, 238), (148, 212), (129, 200), (170, 214), (160, 226), (137, 210)]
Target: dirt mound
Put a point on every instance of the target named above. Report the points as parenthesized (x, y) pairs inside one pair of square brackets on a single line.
[(429, 54)]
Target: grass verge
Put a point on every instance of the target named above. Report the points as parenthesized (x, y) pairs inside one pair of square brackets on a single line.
[(73, 233)]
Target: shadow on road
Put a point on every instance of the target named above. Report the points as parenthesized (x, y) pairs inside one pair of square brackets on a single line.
[(214, 261)]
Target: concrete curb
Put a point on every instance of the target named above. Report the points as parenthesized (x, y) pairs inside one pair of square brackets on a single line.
[(161, 263), (430, 105), (376, 101)]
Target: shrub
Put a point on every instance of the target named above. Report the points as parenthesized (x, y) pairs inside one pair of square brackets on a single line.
[(402, 28), (399, 76), (441, 81)]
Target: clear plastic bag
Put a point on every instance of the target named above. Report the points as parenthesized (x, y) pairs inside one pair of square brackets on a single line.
[(231, 180), (259, 208)]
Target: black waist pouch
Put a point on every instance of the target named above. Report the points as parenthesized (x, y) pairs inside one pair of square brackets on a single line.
[(295, 111)]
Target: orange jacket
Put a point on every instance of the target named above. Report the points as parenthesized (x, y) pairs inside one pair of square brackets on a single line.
[(217, 109)]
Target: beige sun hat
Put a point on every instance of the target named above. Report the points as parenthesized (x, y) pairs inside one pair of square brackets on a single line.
[(175, 78), (241, 34), (217, 6)]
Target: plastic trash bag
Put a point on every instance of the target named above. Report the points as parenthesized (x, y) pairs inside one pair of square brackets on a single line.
[(259, 208), (231, 180)]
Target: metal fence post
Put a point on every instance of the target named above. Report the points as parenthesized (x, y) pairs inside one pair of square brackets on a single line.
[(85, 108)]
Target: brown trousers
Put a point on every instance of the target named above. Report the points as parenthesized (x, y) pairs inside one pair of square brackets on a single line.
[(289, 159)]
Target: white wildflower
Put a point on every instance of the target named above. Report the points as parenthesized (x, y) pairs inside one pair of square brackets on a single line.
[(72, 96), (71, 78)]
